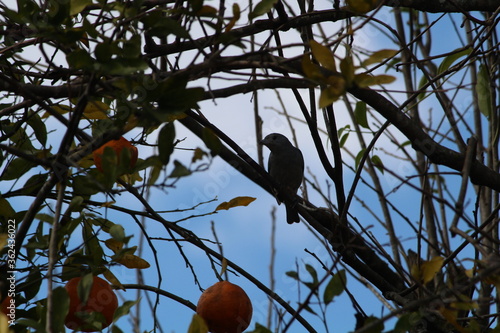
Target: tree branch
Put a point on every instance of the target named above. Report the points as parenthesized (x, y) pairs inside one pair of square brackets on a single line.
[(448, 6), (421, 141)]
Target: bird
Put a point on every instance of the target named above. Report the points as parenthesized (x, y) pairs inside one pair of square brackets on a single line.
[(286, 167)]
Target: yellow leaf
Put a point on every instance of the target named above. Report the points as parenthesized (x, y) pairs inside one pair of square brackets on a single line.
[(364, 80), (132, 261), (113, 245), (335, 89), (347, 69), (108, 204), (3, 240), (361, 6), (323, 55), (4, 323), (235, 202), (451, 317), (236, 17), (206, 10), (113, 279), (86, 162), (337, 84), (310, 69), (223, 266), (61, 109), (197, 325), (198, 155), (379, 56), (96, 110), (429, 269)]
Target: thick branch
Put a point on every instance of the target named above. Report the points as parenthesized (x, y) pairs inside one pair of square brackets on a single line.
[(421, 141), (258, 26), (447, 6)]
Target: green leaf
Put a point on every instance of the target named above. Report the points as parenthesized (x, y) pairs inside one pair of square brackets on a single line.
[(262, 8), (88, 185), (357, 160), (166, 139), (32, 284), (309, 309), (483, 91), (58, 12), (292, 274), (104, 51), (260, 329), (377, 328), (235, 202), (323, 55), (6, 210), (179, 170), (404, 323), (122, 66), (450, 59), (343, 139), (132, 47), (76, 6), (360, 115), (174, 98), (155, 170), (117, 232), (38, 126), (212, 141), (59, 308), (421, 84), (313, 273), (79, 59), (335, 287), (92, 245), (84, 287), (34, 183), (124, 309), (379, 56), (16, 168), (160, 26), (377, 162)]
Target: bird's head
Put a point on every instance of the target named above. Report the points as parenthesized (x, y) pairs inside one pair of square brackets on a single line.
[(275, 140)]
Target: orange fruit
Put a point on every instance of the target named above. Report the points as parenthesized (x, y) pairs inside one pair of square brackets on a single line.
[(5, 304), (101, 299), (225, 307), (117, 146)]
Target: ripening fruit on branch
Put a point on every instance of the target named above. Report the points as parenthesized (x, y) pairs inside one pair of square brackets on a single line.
[(225, 307), (101, 299), (117, 146), (6, 303)]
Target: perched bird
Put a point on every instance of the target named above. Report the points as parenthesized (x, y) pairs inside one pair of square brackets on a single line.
[(286, 166)]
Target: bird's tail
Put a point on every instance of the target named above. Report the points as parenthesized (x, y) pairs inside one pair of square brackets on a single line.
[(291, 214)]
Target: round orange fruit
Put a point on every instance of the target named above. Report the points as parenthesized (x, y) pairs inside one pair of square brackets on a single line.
[(101, 299), (225, 307), (117, 146), (4, 307)]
